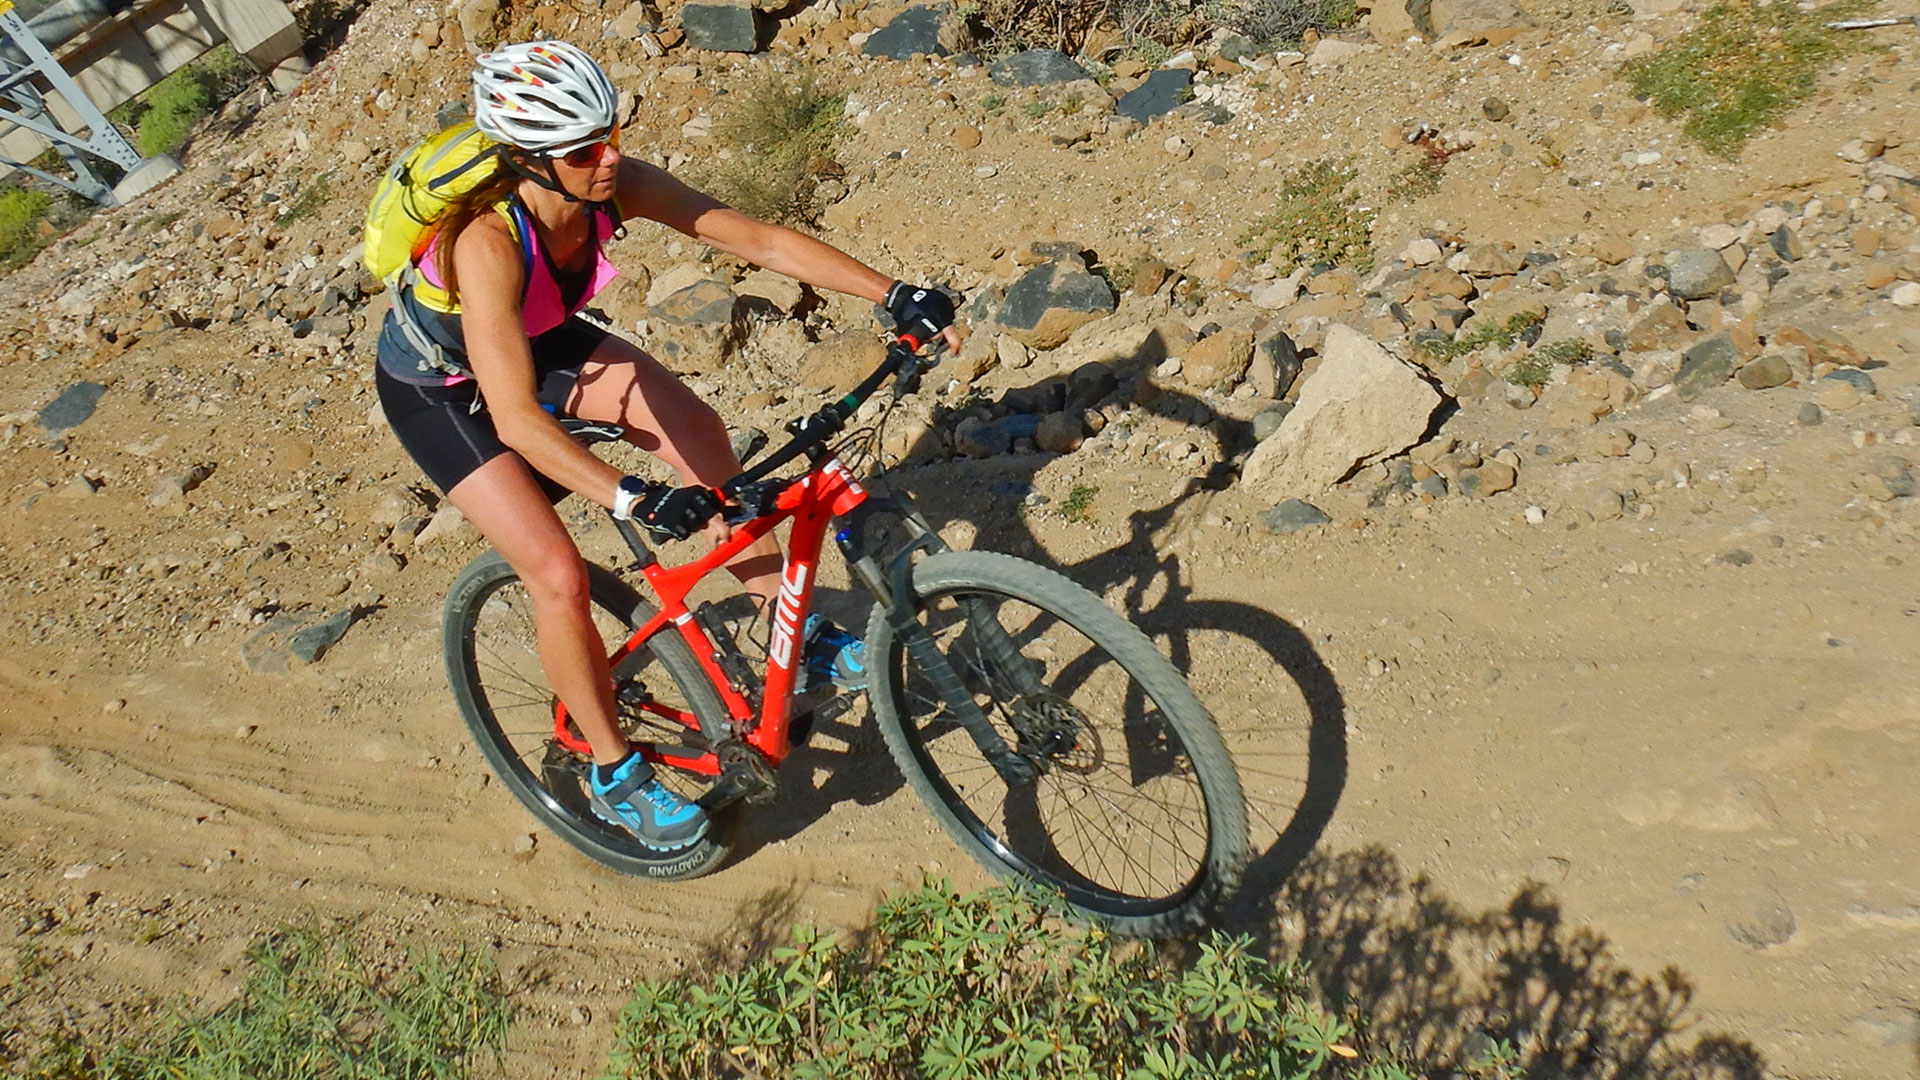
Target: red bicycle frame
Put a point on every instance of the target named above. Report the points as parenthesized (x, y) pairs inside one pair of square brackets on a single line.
[(826, 491)]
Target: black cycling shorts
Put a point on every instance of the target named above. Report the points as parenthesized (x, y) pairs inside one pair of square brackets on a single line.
[(449, 439)]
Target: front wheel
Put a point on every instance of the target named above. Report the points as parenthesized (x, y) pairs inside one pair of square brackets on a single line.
[(1133, 810), (494, 669)]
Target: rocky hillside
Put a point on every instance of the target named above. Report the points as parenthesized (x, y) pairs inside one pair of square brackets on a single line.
[(1514, 328)]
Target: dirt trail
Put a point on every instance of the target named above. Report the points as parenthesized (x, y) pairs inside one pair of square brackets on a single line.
[(1538, 789)]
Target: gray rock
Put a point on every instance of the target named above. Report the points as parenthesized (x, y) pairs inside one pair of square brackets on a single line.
[(747, 442), (311, 642), (1893, 479), (1785, 244), (1766, 373), (1294, 515), (1162, 92), (1435, 485), (1853, 377), (1283, 354), (976, 438), (1697, 273), (913, 32), (1769, 922), (704, 303), (1809, 414), (303, 636), (1706, 365), (1268, 420), (1090, 383), (1037, 67), (721, 25), (1052, 300), (1736, 557), (72, 408)]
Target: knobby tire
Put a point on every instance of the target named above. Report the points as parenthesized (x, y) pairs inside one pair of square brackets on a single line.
[(502, 694), (1177, 771)]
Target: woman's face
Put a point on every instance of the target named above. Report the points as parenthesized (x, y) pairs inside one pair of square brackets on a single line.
[(590, 172)]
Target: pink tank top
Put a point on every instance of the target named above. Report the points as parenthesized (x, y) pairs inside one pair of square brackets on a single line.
[(541, 306)]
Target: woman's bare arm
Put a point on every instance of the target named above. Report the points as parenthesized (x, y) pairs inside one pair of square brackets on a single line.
[(486, 259)]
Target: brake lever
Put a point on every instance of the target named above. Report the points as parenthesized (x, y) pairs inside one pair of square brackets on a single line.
[(755, 500), (908, 381)]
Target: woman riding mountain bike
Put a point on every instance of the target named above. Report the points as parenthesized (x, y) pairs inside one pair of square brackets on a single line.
[(495, 301)]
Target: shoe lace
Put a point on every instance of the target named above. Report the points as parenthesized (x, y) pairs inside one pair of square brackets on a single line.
[(660, 798)]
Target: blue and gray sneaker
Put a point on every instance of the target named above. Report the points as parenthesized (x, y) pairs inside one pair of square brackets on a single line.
[(833, 656), (627, 794)]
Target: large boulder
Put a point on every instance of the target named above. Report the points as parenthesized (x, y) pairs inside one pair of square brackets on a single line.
[(721, 25), (1359, 406), (1052, 300), (1162, 92), (920, 30), (1037, 67), (697, 329)]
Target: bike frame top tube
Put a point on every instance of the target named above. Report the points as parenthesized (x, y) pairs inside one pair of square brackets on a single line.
[(826, 491)]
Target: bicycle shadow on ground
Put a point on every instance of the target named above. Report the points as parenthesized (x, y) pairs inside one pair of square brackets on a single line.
[(1142, 575)]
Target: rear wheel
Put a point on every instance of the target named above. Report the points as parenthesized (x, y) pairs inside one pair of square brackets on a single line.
[(1134, 814), (502, 691)]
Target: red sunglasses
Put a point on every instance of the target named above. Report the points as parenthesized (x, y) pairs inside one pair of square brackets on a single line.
[(581, 157)]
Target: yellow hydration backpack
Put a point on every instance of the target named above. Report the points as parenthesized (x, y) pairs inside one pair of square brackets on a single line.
[(417, 189)]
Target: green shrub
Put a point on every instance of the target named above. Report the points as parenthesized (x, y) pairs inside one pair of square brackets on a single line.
[(949, 987), (311, 196), (1077, 507), (1743, 67), (165, 114), (313, 1009), (782, 134), (1500, 335), (1315, 219), (21, 212)]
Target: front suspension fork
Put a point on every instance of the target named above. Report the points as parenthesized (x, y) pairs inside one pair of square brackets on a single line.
[(895, 594)]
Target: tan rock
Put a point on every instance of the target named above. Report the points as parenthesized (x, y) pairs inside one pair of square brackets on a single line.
[(1359, 406), (1219, 361), (838, 363), (778, 290), (966, 136)]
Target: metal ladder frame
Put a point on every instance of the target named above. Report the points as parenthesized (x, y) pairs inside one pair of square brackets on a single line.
[(22, 104)]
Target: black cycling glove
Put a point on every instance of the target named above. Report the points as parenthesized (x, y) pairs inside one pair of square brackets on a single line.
[(672, 512), (920, 310)]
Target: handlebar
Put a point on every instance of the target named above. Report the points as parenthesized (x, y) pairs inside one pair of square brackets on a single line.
[(903, 361)]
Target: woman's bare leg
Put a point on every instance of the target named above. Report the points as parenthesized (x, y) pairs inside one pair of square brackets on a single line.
[(621, 384), (507, 505)]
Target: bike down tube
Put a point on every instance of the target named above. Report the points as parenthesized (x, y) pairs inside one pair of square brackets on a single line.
[(672, 586)]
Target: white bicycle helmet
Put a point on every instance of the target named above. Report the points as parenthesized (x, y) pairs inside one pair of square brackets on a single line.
[(543, 96)]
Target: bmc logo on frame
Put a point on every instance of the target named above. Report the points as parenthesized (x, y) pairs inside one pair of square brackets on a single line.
[(786, 617)]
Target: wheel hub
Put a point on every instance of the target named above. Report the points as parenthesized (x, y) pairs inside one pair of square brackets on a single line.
[(1054, 733)]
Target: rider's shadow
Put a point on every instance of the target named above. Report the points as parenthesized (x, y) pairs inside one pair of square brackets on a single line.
[(1292, 791)]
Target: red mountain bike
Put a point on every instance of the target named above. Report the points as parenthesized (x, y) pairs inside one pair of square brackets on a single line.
[(1044, 731)]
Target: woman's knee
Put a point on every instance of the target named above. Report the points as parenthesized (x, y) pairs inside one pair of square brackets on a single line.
[(557, 578)]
